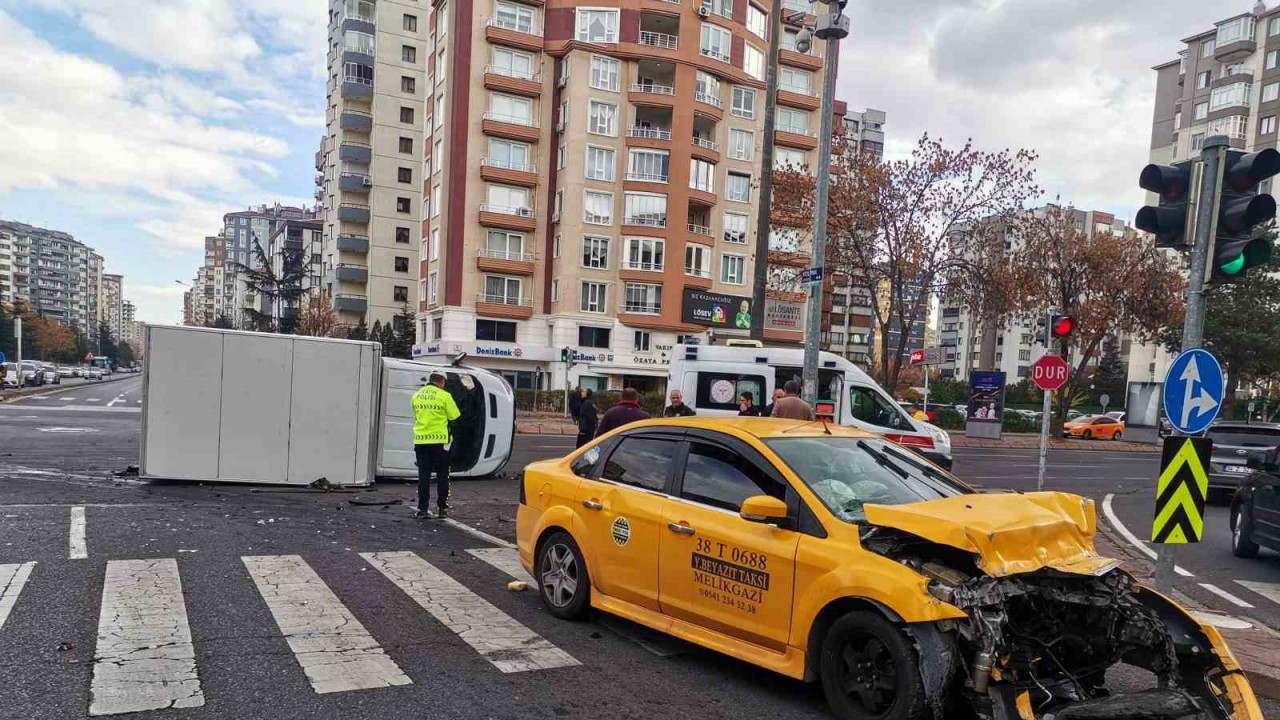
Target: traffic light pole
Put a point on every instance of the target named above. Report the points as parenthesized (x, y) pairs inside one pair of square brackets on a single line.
[(1193, 327), (1045, 414)]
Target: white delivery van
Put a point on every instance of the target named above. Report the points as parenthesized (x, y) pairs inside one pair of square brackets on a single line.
[(713, 377)]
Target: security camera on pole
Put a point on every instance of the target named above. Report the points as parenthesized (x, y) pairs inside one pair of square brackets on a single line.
[(832, 27)]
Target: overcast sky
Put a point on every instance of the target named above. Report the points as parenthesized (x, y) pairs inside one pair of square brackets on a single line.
[(135, 124)]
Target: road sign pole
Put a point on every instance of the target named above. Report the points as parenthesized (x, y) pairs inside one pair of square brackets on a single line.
[(17, 335), (1044, 416)]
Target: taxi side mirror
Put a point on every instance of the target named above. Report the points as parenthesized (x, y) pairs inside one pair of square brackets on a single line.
[(763, 509)]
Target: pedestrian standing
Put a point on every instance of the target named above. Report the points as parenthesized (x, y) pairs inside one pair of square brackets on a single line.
[(627, 411), (588, 419), (575, 402), (791, 406), (778, 394), (747, 406), (677, 408), (433, 411)]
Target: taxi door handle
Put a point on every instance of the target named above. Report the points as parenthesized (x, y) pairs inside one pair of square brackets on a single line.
[(681, 529), (592, 505)]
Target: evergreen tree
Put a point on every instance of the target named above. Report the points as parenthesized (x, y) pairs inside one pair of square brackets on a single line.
[(358, 332), (1112, 377)]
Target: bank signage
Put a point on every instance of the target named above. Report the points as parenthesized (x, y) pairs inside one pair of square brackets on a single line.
[(784, 315), (716, 310)]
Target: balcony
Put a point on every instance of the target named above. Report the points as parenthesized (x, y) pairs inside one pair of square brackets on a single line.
[(798, 98), (355, 120), (648, 93), (352, 243), (642, 308), (709, 105), (1234, 40), (801, 60), (647, 177), (355, 182), (795, 137), (505, 261), (646, 221), (507, 218), (352, 151), (510, 127), (698, 278), (504, 306), (509, 80), (353, 212), (357, 87), (703, 231), (349, 272), (703, 197), (347, 302), (513, 34), (651, 133), (659, 40), (508, 173), (704, 148), (359, 23)]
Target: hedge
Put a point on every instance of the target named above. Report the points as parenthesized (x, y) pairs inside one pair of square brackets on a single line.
[(553, 401)]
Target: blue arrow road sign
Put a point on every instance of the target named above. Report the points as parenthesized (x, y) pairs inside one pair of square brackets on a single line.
[(1, 358), (1193, 391)]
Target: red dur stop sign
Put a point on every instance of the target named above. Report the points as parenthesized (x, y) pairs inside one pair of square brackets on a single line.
[(1050, 372)]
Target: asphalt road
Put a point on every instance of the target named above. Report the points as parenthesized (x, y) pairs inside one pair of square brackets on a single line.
[(217, 556)]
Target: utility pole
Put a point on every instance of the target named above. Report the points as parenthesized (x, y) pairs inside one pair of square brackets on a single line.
[(17, 336), (831, 28), (760, 271)]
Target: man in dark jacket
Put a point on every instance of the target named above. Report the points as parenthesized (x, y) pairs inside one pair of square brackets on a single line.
[(587, 417), (627, 411), (575, 402), (747, 406), (792, 407), (677, 408)]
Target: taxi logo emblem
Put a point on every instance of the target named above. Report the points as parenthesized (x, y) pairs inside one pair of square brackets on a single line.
[(621, 531)]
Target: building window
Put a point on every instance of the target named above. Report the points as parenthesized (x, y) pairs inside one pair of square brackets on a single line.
[(648, 165), (793, 121), (504, 245), (737, 187), (1270, 92), (400, 294), (1202, 111), (495, 331), (597, 208), (406, 146), (752, 61), (356, 41), (502, 290), (601, 163), (723, 8), (1235, 31), (508, 155), (592, 299), (558, 207), (742, 144), (439, 111), (595, 252), (735, 228), (562, 157), (1267, 125), (1273, 26), (697, 260), (512, 63), (433, 288), (602, 118), (437, 328), (402, 264), (402, 205), (555, 291), (1272, 57), (409, 53), (641, 342), (593, 337), (796, 81), (1203, 79), (642, 298), (604, 73), (555, 247), (788, 159), (744, 103), (406, 115), (597, 26), (402, 235), (648, 209), (702, 175), (512, 109), (441, 62), (733, 269), (715, 42), (514, 17), (505, 198), (404, 175), (1207, 48), (706, 88), (645, 254), (410, 23), (434, 246), (408, 84), (437, 158), (1177, 120), (757, 22), (1238, 94), (1232, 126)]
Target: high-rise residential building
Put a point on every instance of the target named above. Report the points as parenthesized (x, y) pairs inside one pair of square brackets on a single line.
[(112, 303), (49, 271), (852, 321), (93, 296), (240, 231), (371, 161), (865, 131), (188, 308), (127, 323), (592, 179), (296, 246)]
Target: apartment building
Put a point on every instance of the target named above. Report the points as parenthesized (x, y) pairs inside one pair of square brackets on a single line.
[(371, 161), (960, 331), (852, 321), (865, 131), (111, 303), (261, 224), (208, 301), (94, 296), (297, 246), (596, 186), (50, 271), (128, 325), (1225, 81)]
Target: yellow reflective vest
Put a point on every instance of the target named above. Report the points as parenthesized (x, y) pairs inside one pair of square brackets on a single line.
[(433, 410)]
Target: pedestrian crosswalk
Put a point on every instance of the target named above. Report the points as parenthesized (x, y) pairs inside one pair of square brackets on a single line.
[(146, 658)]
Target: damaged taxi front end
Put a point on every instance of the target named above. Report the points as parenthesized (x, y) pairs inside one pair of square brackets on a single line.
[(1045, 616)]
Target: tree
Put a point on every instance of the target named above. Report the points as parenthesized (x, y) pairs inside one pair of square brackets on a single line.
[(53, 340), (222, 322), (359, 331), (1111, 377), (317, 318), (398, 342), (278, 291), (125, 355), (107, 342)]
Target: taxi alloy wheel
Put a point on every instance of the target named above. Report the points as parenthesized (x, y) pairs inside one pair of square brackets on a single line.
[(870, 670), (1242, 544), (562, 577), (1087, 435), (1119, 435)]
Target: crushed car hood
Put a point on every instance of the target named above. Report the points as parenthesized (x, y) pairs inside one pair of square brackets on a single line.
[(1011, 533)]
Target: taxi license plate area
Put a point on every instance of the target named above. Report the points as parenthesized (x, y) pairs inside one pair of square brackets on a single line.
[(1236, 469)]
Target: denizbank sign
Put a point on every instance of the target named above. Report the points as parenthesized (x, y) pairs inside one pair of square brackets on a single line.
[(716, 310)]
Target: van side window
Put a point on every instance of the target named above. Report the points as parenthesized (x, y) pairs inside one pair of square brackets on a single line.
[(720, 391), (870, 407)]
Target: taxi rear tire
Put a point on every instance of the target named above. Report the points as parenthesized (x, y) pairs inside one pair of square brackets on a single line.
[(563, 582), (1087, 435), (870, 671), (1118, 436)]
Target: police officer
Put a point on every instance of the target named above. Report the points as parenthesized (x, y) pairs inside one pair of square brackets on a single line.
[(433, 410)]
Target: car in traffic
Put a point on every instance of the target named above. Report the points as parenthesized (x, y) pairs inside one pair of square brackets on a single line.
[(32, 373), (10, 375), (65, 371), (1233, 443), (1094, 427), (1255, 507), (93, 373), (51, 375), (831, 554)]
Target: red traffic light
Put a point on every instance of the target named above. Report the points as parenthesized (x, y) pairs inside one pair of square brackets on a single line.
[(1062, 325)]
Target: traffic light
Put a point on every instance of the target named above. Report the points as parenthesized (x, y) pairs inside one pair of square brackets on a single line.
[(1241, 208), (1060, 326), (566, 356), (1168, 221)]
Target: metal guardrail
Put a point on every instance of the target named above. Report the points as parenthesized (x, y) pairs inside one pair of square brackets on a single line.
[(649, 132)]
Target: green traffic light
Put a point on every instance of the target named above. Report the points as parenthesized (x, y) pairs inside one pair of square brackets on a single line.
[(1233, 267)]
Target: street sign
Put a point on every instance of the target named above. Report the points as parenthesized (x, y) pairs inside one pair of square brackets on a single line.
[(925, 356), (1050, 372), (1182, 490), (1104, 401), (811, 276), (1, 358), (917, 357), (1193, 391)]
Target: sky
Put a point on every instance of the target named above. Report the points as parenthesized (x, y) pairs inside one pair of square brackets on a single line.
[(136, 124)]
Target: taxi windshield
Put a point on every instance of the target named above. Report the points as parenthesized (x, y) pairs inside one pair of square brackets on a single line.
[(848, 473)]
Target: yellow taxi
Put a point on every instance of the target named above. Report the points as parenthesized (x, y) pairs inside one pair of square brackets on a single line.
[(830, 554), (1094, 427)]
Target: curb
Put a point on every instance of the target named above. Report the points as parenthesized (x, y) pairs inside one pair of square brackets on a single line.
[(23, 395)]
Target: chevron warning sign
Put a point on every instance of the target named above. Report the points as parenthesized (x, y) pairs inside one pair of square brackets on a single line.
[(1181, 490)]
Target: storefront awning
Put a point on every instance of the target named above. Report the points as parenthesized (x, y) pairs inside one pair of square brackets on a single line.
[(641, 370)]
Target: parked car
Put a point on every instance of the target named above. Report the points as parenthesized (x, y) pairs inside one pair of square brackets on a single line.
[(66, 372), (32, 373), (1232, 444), (1118, 415), (93, 373), (10, 376), (1255, 508), (51, 375), (1094, 427)]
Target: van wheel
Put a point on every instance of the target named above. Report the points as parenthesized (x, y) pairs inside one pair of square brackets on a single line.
[(562, 577), (870, 671), (1242, 544)]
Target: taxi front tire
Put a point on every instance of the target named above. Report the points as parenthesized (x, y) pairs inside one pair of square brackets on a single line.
[(563, 582), (869, 670)]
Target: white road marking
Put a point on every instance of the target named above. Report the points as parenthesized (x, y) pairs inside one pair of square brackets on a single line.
[(67, 399), (474, 532), (505, 559), (144, 659), (1133, 539), (79, 550), (12, 579), (93, 399), (118, 398), (335, 651), (1270, 591), (502, 640), (1225, 595)]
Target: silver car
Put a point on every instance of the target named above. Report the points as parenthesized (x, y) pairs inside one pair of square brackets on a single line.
[(1232, 444)]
